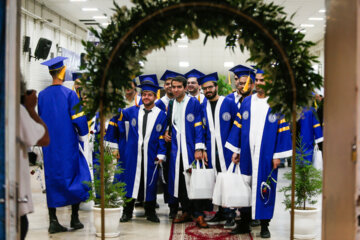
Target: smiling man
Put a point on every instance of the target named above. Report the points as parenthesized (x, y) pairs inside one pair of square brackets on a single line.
[(144, 149), (193, 85), (259, 138)]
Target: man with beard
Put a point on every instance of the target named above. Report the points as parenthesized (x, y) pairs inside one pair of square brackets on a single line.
[(218, 116), (259, 139), (187, 145), (244, 78), (144, 150), (193, 84)]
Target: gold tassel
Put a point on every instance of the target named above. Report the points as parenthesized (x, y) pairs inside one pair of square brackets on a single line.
[(229, 79), (247, 84), (61, 75), (158, 94)]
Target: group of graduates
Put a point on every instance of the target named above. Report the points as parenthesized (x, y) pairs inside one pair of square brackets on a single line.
[(162, 138)]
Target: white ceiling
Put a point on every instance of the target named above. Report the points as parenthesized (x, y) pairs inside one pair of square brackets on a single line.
[(208, 58)]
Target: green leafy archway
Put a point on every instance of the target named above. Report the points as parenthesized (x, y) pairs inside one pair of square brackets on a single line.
[(264, 29)]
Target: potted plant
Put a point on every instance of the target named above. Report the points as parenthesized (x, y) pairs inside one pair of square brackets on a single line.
[(308, 186), (114, 193)]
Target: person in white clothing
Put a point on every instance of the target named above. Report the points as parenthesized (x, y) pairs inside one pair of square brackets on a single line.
[(33, 131)]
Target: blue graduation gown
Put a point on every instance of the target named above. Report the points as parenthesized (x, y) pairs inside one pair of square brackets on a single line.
[(225, 113), (232, 97), (255, 163), (163, 103), (115, 138), (65, 166), (154, 147), (310, 132), (191, 138)]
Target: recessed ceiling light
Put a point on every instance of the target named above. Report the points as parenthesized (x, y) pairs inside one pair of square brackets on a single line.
[(184, 64), (99, 17), (105, 24), (307, 25), (182, 46), (322, 11), (228, 64), (141, 63), (90, 9), (303, 31), (316, 19)]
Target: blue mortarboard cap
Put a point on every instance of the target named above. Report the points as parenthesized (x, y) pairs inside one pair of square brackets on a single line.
[(212, 77), (257, 70), (194, 73), (55, 63), (240, 70), (76, 75), (149, 83), (169, 74)]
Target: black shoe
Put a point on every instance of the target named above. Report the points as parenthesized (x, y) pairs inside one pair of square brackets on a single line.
[(125, 217), (75, 223), (153, 218), (255, 223), (241, 228), (139, 204), (230, 224), (172, 215), (217, 219), (265, 233), (55, 227)]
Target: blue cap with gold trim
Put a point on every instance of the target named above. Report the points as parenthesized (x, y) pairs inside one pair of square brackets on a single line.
[(240, 70), (149, 83), (169, 74), (212, 77), (55, 63), (194, 73)]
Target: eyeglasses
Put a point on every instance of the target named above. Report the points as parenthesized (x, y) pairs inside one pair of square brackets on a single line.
[(207, 88)]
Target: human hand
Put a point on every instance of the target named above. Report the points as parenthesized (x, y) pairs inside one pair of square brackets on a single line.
[(205, 157), (235, 158), (167, 137), (276, 163), (30, 100), (198, 155)]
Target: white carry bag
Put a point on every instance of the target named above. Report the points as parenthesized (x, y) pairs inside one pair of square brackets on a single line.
[(317, 158), (202, 181), (217, 195), (236, 191)]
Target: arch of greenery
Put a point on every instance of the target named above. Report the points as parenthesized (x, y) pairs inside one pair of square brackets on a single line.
[(262, 28)]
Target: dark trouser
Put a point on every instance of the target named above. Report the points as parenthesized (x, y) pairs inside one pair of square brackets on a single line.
[(149, 206), (245, 214), (74, 211), (193, 207), (24, 226)]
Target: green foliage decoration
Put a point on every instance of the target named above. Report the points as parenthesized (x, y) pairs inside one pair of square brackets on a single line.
[(308, 181), (115, 192), (223, 87), (154, 24)]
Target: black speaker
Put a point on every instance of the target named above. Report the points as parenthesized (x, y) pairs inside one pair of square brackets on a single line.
[(82, 59), (26, 44), (43, 48)]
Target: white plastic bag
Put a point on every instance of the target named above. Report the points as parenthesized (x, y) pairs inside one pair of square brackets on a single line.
[(317, 158), (236, 192), (202, 181), (217, 195)]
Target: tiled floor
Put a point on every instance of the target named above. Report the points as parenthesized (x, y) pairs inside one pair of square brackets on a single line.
[(139, 228)]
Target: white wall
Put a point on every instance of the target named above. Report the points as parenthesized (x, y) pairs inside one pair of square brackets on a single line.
[(36, 75)]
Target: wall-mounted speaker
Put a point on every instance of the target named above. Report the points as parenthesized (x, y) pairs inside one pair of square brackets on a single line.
[(26, 44), (43, 48)]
